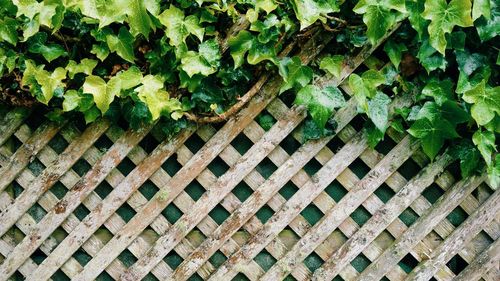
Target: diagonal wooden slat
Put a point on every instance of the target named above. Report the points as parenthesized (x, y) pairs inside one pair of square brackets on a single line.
[(11, 121), (462, 235), (485, 261)]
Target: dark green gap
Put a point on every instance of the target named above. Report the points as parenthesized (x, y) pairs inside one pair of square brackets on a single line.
[(219, 214), (313, 262), (384, 192), (126, 166), (59, 275), (336, 191), (288, 190), (360, 262), (241, 143), (194, 143), (172, 213), (359, 168), (38, 256), (127, 258), (385, 146), (266, 168), (126, 212), (58, 143), (150, 277), (104, 276), (242, 191), (218, 167), (173, 260), (81, 167), (217, 259), (265, 120), (103, 143), (312, 214), (289, 277), (290, 144), (335, 144), (265, 260), (59, 190), (148, 189), (240, 277), (195, 277), (149, 143), (457, 264), (195, 190), (264, 213), (103, 189), (457, 216), (81, 212), (361, 216), (13, 143), (409, 169), (82, 257), (171, 165), (408, 217), (37, 212), (36, 167), (408, 263), (432, 193), (358, 122), (312, 167), (34, 121)]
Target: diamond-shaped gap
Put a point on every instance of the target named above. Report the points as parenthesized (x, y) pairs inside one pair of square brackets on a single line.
[(218, 167), (126, 166), (148, 189), (171, 166), (336, 190), (290, 144), (385, 145), (219, 214), (13, 143), (288, 190), (432, 193), (265, 260), (408, 217), (241, 143), (126, 212), (58, 143), (172, 213), (195, 277), (14, 189), (265, 120), (196, 237), (457, 264), (335, 144), (217, 259), (59, 190), (122, 123), (266, 168), (173, 259), (312, 214), (59, 234), (195, 190), (358, 122), (150, 277), (408, 263), (127, 258), (104, 276), (81, 167), (103, 189), (313, 261), (242, 191), (34, 121), (360, 216), (149, 143), (457, 216), (264, 213), (384, 192), (37, 212), (312, 167), (59, 275), (38, 256), (82, 257), (359, 168), (482, 193), (288, 237), (360, 263), (240, 277), (194, 143), (36, 167), (81, 212), (287, 97), (103, 143), (409, 169)]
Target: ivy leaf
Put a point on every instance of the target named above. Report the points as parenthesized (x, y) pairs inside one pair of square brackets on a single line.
[(395, 51), (85, 66), (489, 28), (129, 78), (332, 64), (378, 110), (441, 91), (378, 16), (486, 102), (469, 157), (122, 44), (104, 93), (432, 133), (309, 11), (37, 44), (430, 58), (42, 83), (485, 142), (100, 50), (294, 74), (266, 5), (494, 173), (239, 46), (444, 16), (138, 18), (320, 102), (481, 8), (8, 30), (180, 27), (151, 92), (261, 52), (205, 62)]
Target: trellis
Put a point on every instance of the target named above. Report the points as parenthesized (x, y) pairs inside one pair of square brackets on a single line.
[(238, 202)]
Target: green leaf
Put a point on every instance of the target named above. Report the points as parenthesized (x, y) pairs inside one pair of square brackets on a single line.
[(486, 102), (444, 17), (469, 157), (378, 110), (239, 46), (85, 66), (441, 91), (494, 173), (8, 30), (320, 102), (151, 92), (481, 8), (37, 44), (138, 18), (129, 78), (489, 28), (104, 93), (100, 50), (379, 16), (266, 5), (43, 83), (309, 11), (432, 134), (332, 64), (180, 27), (261, 52), (205, 62), (395, 51), (123, 44), (295, 75), (485, 142)]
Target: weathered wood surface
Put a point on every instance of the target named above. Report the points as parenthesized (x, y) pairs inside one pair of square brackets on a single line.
[(31, 169)]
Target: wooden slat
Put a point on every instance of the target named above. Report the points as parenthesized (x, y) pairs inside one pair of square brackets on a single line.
[(11, 121), (461, 236), (488, 259)]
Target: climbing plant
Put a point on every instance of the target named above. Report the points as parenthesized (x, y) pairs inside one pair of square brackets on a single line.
[(183, 61)]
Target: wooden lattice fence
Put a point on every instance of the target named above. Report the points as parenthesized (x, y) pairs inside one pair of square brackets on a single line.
[(238, 202)]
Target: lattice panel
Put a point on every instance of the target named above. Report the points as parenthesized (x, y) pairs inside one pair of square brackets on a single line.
[(238, 201)]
